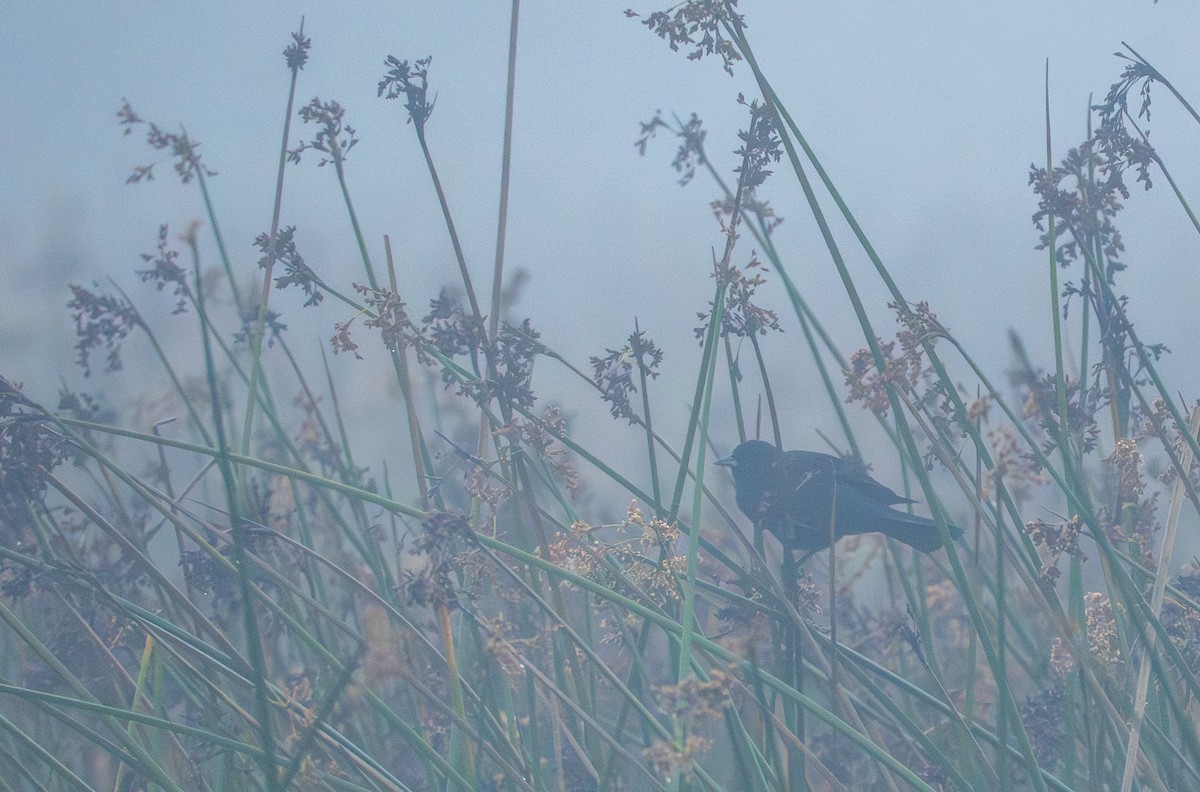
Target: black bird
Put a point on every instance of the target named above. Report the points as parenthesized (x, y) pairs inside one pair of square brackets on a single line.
[(798, 495)]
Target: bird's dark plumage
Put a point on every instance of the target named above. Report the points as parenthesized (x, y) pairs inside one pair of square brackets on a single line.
[(798, 495)]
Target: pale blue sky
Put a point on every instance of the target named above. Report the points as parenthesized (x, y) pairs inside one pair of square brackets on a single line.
[(926, 114)]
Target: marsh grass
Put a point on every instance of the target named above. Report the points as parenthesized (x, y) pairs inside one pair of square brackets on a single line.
[(231, 600)]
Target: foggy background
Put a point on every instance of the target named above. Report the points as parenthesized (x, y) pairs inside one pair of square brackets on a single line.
[(926, 115)]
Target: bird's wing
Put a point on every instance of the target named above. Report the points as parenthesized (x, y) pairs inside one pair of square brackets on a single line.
[(846, 472)]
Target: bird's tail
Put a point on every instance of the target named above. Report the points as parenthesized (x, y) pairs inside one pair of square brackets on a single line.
[(920, 533)]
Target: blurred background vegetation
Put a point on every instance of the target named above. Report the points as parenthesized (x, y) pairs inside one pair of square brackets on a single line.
[(387, 515)]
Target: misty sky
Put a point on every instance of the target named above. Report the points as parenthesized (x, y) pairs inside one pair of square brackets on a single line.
[(927, 115)]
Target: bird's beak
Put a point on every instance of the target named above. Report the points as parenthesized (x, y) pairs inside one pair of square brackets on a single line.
[(726, 462)]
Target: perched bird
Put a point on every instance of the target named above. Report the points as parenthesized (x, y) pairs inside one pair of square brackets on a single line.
[(799, 495)]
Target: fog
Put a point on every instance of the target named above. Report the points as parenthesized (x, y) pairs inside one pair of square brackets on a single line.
[(927, 116)]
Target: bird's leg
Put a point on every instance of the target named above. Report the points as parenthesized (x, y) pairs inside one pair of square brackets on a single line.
[(804, 558), (790, 575)]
